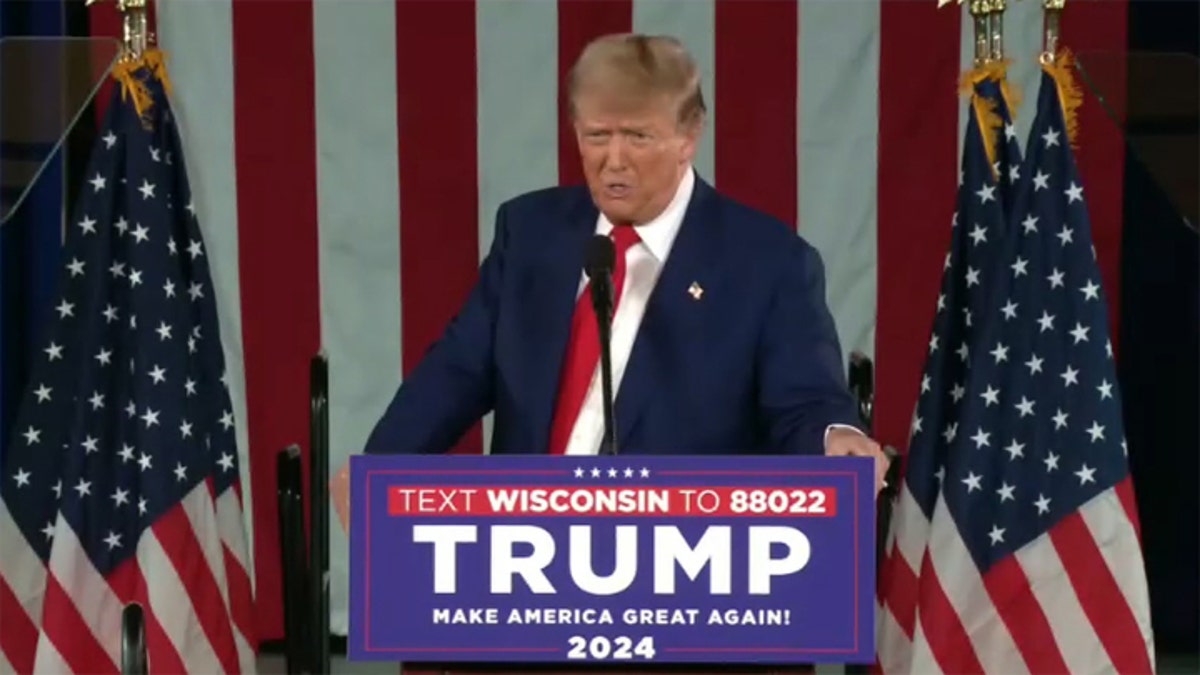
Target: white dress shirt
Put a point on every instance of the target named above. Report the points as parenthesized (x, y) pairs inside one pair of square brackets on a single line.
[(643, 263)]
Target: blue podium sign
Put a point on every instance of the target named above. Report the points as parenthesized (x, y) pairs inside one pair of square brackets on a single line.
[(627, 559)]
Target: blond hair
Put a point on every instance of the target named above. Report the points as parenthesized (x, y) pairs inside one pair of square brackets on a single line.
[(638, 67)]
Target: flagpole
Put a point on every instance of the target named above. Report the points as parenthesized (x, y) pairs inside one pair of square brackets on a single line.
[(136, 37), (1051, 17), (996, 30), (981, 12)]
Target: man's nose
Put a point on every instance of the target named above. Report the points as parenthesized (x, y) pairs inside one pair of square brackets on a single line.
[(615, 155)]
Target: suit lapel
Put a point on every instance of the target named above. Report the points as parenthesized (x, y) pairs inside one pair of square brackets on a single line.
[(551, 303), (670, 309)]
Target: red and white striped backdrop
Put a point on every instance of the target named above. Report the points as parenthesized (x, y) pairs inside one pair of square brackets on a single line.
[(347, 157)]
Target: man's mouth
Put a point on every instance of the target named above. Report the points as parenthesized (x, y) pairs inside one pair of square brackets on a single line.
[(617, 190)]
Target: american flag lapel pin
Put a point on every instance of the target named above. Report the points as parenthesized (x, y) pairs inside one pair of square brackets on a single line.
[(695, 290)]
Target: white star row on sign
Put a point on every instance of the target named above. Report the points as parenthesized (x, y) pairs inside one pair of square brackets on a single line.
[(595, 472)]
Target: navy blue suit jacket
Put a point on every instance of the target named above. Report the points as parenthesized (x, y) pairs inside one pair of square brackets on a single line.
[(753, 366)]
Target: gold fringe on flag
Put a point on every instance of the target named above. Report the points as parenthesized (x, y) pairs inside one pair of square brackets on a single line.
[(1062, 68), (132, 72), (987, 115)]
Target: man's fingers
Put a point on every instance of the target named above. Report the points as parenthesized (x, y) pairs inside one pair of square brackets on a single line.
[(862, 446)]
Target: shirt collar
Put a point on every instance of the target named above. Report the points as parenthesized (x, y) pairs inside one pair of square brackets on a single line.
[(659, 234)]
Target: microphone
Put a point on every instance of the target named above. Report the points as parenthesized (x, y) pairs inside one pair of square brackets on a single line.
[(599, 260)]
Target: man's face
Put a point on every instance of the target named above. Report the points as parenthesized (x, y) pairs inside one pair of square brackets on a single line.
[(634, 154)]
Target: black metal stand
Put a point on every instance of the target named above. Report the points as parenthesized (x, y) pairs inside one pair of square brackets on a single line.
[(133, 640), (290, 493), (319, 512), (608, 446), (861, 378)]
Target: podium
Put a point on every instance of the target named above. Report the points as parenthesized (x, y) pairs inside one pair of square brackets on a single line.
[(687, 564)]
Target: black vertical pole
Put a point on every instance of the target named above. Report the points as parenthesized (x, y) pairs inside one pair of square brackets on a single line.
[(319, 512), (290, 492), (861, 379), (133, 640)]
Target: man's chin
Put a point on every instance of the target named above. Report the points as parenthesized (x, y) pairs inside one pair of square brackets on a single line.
[(616, 210)]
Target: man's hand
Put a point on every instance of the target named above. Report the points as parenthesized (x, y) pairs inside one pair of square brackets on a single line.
[(850, 442), (339, 494)]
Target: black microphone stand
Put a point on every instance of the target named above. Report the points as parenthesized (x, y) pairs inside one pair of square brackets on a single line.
[(608, 445), (600, 257)]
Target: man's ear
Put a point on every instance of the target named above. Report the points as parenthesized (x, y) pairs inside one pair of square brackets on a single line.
[(691, 138)]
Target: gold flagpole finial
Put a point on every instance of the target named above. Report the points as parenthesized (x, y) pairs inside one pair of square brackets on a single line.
[(996, 29), (981, 11), (136, 37), (1051, 16)]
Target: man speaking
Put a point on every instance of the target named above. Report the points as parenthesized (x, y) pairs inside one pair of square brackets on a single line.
[(721, 341)]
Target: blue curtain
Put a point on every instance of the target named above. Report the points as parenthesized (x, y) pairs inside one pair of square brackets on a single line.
[(30, 241)]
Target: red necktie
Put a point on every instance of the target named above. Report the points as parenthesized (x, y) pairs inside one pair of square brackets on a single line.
[(583, 351)]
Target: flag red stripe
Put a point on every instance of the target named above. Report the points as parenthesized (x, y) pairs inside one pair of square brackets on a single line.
[(755, 60), (178, 540), (899, 588), (941, 627), (1009, 590), (439, 213), (1128, 499), (580, 22), (129, 585), (918, 172), (275, 141), (1106, 608), (19, 637), (1102, 27), (240, 594), (237, 579), (70, 633)]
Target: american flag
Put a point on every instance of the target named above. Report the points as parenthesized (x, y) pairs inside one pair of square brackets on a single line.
[(121, 484), (1016, 541), (978, 227)]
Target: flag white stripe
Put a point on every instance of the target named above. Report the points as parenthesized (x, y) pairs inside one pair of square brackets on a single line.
[(963, 586), (358, 229), (692, 22), (1109, 524), (170, 603), (892, 645), (229, 518), (516, 54), (98, 607), (1074, 634), (1023, 43), (923, 660), (839, 47), (20, 567), (49, 660), (204, 518), (198, 40), (517, 113), (911, 527)]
